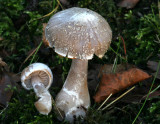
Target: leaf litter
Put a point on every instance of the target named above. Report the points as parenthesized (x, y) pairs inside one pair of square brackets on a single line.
[(7, 82), (114, 83)]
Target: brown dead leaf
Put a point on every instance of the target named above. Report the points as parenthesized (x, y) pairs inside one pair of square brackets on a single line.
[(139, 93), (96, 71), (136, 95), (113, 83), (129, 4), (6, 79), (5, 94)]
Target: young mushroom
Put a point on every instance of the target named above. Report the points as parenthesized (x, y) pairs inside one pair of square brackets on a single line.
[(77, 33), (38, 77)]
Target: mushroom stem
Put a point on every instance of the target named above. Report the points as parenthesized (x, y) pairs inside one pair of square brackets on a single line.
[(44, 104), (73, 99)]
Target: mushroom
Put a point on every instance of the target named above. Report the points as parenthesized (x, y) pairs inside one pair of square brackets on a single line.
[(77, 33), (38, 77)]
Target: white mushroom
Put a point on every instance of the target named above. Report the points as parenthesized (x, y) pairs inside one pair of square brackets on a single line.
[(38, 77), (77, 33)]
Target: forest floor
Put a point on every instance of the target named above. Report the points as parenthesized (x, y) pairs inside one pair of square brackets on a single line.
[(135, 42)]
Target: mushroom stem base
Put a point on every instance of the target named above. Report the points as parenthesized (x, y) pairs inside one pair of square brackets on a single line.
[(73, 100)]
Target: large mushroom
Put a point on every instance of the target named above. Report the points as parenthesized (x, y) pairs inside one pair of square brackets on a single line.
[(38, 77), (77, 33)]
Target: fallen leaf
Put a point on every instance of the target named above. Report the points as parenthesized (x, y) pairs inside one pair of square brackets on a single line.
[(113, 83), (96, 71), (136, 95), (5, 94), (139, 93), (129, 4), (7, 81)]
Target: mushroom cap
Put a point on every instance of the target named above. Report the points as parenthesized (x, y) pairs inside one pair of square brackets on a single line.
[(36, 69), (78, 33)]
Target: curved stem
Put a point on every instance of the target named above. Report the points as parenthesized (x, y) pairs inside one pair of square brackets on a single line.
[(44, 104)]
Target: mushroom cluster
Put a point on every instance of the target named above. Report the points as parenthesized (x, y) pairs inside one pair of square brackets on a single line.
[(77, 33), (38, 77)]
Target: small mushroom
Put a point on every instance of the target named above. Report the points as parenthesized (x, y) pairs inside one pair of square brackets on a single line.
[(77, 33), (38, 77)]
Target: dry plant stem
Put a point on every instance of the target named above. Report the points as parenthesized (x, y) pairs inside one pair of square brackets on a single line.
[(118, 98), (44, 104), (105, 101), (73, 100)]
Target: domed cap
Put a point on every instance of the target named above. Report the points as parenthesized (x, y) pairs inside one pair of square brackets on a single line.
[(36, 69), (78, 33)]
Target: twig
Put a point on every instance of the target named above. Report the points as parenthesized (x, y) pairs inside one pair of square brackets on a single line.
[(118, 98)]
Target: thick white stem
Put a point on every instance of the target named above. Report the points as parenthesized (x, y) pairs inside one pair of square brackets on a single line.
[(73, 100), (44, 104)]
